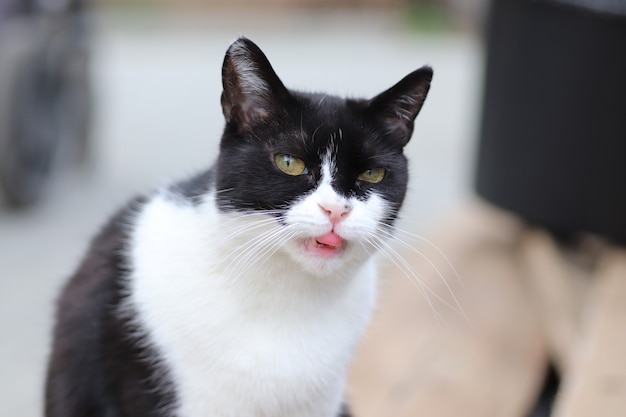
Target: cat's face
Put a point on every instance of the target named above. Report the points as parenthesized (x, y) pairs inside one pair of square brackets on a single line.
[(329, 172)]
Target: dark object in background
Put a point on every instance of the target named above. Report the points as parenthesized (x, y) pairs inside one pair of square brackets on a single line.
[(45, 95), (553, 139)]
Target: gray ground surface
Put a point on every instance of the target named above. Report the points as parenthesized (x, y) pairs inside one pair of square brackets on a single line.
[(158, 86)]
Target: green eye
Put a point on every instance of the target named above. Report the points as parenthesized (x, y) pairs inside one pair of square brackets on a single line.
[(290, 165), (373, 176)]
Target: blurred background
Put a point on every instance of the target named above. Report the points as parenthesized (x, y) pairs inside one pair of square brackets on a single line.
[(105, 99)]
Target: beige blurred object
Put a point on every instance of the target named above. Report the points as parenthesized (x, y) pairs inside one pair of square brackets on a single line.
[(412, 364), (595, 383), (558, 288), (528, 300)]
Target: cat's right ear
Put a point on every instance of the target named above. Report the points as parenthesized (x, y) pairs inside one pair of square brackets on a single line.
[(252, 93), (396, 108)]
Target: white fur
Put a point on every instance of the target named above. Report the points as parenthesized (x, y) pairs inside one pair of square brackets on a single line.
[(252, 328), (246, 68)]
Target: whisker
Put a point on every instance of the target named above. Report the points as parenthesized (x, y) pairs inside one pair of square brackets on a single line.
[(266, 251), (256, 251), (257, 248), (246, 251), (407, 266), (241, 231), (459, 307), (414, 279), (245, 228), (279, 243), (244, 215), (431, 244)]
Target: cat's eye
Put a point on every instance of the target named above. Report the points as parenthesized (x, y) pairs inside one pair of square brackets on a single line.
[(290, 165), (373, 176)]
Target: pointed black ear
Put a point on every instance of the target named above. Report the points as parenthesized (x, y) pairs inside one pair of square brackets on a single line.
[(397, 107), (252, 90)]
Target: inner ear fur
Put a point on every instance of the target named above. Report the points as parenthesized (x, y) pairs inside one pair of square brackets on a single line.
[(397, 107), (252, 91)]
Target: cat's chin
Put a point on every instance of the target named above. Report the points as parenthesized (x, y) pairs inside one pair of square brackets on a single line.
[(323, 257)]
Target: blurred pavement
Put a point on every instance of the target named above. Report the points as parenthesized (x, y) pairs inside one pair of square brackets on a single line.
[(158, 117)]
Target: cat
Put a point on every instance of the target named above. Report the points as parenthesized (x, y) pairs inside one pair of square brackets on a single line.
[(244, 290)]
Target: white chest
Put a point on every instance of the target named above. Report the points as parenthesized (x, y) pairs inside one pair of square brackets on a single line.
[(272, 343)]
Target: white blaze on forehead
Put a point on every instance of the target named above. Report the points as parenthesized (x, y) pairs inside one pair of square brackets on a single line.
[(328, 170), (325, 193), (329, 165), (325, 190)]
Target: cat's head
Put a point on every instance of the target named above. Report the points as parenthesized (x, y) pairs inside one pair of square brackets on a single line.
[(330, 171)]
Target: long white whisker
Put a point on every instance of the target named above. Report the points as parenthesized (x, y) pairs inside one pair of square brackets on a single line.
[(245, 228), (439, 251), (412, 272), (246, 252), (238, 251), (276, 245), (251, 215), (261, 252), (262, 246), (435, 268), (239, 232), (409, 273)]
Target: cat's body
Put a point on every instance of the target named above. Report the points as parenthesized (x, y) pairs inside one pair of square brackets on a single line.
[(244, 290)]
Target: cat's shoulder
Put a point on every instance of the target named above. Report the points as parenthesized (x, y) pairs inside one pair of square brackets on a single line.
[(117, 230), (192, 189), (105, 261), (111, 242)]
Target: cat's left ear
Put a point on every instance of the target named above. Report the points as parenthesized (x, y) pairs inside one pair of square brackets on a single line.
[(252, 91), (397, 107)]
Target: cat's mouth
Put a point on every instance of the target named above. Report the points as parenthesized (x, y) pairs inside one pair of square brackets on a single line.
[(328, 245)]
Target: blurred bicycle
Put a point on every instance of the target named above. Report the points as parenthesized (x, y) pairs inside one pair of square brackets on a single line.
[(45, 92)]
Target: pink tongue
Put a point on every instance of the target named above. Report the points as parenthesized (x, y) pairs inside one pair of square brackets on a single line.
[(330, 239)]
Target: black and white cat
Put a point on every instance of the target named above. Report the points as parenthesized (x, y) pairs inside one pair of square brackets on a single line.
[(242, 292)]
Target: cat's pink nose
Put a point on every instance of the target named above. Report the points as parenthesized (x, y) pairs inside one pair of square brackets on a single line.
[(335, 212)]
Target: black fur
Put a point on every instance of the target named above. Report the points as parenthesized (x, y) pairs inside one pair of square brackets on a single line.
[(269, 119), (194, 188), (101, 365)]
